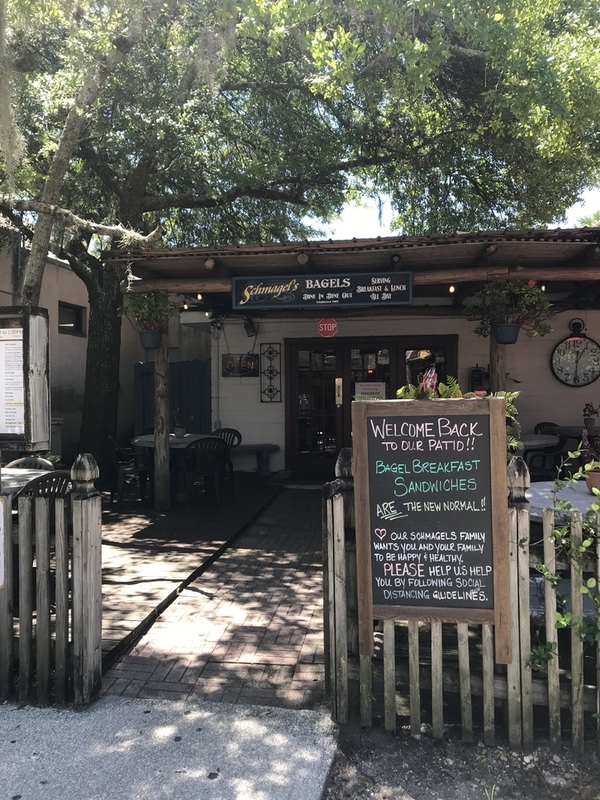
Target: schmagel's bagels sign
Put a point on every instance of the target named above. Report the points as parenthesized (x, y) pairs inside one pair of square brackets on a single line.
[(308, 291)]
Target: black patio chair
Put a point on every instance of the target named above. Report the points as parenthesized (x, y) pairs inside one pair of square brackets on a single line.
[(126, 461), (55, 484), (233, 439), (545, 464), (31, 462), (205, 461)]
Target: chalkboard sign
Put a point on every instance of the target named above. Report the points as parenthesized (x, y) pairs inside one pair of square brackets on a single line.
[(431, 507)]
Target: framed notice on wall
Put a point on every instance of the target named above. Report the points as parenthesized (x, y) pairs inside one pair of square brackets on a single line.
[(24, 379), (12, 384), (432, 512)]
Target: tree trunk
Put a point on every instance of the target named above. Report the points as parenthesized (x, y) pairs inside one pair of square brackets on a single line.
[(100, 405), (497, 366), (162, 482)]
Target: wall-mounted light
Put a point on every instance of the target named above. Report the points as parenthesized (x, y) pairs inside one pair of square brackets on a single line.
[(250, 327), (395, 259)]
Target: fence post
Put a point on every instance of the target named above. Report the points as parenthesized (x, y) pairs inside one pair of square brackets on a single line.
[(518, 529), (87, 580), (339, 583)]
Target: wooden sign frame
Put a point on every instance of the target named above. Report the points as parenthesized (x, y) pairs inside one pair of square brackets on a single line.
[(32, 342), (374, 421)]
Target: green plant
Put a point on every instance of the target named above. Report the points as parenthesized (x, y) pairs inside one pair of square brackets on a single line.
[(519, 302), (150, 312), (541, 654), (451, 389), (180, 420)]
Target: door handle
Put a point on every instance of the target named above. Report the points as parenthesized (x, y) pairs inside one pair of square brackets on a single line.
[(339, 392)]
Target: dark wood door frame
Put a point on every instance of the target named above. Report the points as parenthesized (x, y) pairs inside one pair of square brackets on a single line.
[(342, 346)]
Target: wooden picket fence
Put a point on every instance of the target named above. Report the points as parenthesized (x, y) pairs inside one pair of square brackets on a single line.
[(51, 594), (423, 668)]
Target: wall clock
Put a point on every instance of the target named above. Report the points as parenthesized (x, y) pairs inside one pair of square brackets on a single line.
[(576, 360)]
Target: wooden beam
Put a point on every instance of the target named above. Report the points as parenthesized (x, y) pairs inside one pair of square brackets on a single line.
[(430, 278), (180, 285)]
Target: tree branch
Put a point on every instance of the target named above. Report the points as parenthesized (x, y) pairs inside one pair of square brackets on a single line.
[(127, 236)]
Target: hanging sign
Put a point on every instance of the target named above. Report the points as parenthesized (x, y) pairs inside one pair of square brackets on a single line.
[(327, 327), (309, 291), (240, 365)]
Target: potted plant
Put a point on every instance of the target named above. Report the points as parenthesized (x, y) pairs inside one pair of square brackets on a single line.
[(180, 422), (150, 313), (503, 308), (590, 412), (590, 454)]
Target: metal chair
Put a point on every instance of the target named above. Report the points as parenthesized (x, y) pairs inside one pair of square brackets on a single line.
[(233, 439), (126, 461), (205, 460), (31, 462), (55, 484)]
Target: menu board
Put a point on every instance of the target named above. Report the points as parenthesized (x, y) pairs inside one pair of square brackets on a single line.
[(430, 518), (12, 393), (431, 509)]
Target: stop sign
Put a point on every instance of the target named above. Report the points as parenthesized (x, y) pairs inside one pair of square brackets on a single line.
[(327, 327)]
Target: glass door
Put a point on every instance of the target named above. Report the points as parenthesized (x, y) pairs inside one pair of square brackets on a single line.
[(315, 410), (322, 379)]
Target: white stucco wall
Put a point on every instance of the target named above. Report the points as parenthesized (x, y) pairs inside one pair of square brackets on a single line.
[(68, 354), (236, 401)]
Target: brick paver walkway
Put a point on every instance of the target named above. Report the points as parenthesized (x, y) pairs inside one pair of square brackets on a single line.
[(250, 629)]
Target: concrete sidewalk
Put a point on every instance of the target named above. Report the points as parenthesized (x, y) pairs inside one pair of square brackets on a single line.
[(247, 633), (155, 750)]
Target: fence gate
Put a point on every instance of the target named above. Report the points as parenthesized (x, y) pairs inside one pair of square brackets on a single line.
[(51, 594), (189, 390)]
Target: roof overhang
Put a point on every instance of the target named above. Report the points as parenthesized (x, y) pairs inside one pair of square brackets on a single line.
[(568, 261)]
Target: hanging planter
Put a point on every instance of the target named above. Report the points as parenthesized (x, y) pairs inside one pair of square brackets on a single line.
[(150, 340), (150, 314), (501, 308), (505, 332)]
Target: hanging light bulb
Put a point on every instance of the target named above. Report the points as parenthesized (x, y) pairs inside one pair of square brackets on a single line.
[(185, 305), (543, 287), (451, 288), (198, 296)]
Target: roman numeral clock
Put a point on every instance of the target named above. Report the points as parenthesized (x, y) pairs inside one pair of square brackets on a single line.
[(576, 360)]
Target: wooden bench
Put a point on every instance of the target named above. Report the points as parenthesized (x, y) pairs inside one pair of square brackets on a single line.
[(262, 452)]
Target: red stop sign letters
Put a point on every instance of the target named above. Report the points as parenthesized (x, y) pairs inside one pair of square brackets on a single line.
[(327, 327)]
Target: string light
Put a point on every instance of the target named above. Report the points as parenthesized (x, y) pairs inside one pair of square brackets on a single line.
[(185, 305), (198, 296), (451, 288)]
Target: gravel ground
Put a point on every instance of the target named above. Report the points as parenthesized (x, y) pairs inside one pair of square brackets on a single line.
[(375, 765)]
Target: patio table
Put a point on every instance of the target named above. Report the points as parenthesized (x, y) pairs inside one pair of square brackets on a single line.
[(538, 441), (175, 442), (177, 447), (539, 496)]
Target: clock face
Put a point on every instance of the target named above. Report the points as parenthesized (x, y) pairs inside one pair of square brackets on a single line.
[(576, 361)]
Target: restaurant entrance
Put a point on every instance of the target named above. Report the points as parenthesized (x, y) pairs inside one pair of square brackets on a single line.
[(322, 379)]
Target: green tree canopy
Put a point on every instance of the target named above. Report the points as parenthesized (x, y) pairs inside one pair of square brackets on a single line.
[(217, 122)]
